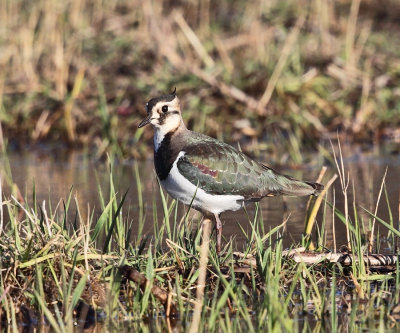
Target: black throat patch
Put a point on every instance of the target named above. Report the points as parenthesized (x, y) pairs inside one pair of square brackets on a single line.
[(165, 157)]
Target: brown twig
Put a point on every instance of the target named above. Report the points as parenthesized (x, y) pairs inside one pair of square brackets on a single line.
[(159, 293)]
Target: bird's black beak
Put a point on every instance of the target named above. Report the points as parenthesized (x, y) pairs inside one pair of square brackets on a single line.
[(145, 121)]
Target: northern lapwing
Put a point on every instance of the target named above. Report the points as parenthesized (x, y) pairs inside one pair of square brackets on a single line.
[(211, 175)]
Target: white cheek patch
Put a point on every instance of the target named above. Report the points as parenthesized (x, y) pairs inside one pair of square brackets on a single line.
[(171, 123)]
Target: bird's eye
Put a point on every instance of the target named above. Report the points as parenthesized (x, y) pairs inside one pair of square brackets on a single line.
[(164, 108)]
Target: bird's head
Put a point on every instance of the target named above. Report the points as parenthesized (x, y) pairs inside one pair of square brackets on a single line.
[(163, 112)]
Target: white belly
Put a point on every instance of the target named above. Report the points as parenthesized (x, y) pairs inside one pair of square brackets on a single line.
[(183, 190)]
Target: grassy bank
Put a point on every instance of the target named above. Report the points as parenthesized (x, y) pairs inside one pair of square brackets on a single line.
[(80, 72), (66, 272)]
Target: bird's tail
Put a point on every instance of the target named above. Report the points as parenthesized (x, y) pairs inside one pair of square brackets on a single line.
[(280, 184), (317, 187), (296, 187)]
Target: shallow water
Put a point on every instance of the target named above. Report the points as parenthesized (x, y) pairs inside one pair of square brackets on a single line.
[(53, 173)]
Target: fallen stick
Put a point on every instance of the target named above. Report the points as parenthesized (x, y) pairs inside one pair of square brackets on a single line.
[(159, 293), (346, 259), (309, 258)]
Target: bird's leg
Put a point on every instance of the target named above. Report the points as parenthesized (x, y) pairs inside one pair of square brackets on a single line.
[(218, 225)]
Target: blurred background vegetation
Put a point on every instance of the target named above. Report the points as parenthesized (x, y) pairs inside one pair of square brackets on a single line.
[(79, 72)]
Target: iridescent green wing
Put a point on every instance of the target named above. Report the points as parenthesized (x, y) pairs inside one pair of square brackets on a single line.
[(218, 168)]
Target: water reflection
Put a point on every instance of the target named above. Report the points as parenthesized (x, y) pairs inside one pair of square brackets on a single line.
[(53, 173)]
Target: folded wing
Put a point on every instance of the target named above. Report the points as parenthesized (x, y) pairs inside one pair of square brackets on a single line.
[(218, 168)]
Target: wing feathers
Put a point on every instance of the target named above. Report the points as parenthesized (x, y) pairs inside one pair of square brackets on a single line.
[(218, 168)]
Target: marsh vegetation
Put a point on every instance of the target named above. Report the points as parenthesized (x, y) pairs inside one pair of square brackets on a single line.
[(279, 78), (67, 264)]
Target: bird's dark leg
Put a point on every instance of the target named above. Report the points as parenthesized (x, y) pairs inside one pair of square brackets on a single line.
[(218, 226)]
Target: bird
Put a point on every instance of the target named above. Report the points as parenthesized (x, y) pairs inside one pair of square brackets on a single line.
[(209, 175)]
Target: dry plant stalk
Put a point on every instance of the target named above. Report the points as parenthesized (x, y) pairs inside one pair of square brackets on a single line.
[(351, 31), (333, 219), (194, 40), (201, 282), (287, 47), (2, 146), (68, 109), (46, 219), (344, 182), (311, 219), (398, 222), (371, 237), (318, 180), (1, 208)]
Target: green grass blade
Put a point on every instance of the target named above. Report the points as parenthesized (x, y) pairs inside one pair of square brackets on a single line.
[(114, 221)]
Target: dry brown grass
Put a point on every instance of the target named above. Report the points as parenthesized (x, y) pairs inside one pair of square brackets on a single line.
[(80, 71)]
